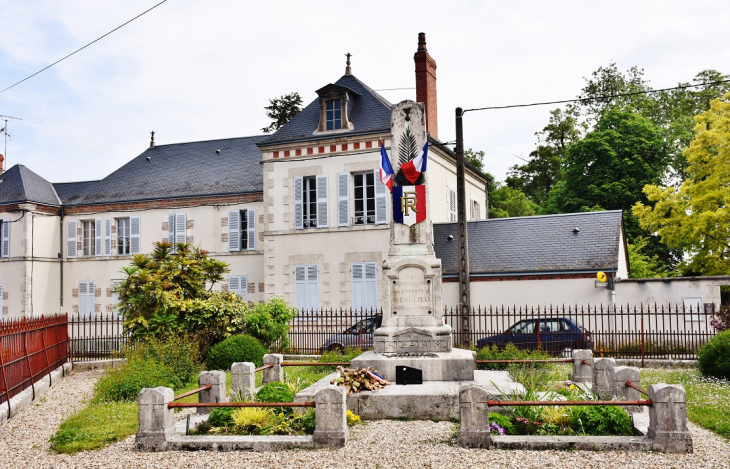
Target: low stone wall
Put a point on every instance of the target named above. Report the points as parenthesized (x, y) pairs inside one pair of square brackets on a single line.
[(28, 395)]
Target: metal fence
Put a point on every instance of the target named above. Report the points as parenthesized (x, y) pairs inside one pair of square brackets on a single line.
[(316, 331), (30, 348), (97, 337)]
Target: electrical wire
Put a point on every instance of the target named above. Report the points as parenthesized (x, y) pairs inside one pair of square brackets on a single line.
[(596, 98), (82, 48)]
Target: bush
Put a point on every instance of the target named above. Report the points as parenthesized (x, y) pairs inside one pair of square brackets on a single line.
[(221, 417), (180, 354), (269, 322), (601, 421), (714, 356), (507, 353), (276, 392), (503, 421), (239, 348), (125, 383), (308, 421)]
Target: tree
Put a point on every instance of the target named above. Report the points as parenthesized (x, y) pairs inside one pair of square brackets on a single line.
[(644, 265), (475, 158), (696, 216), (506, 202), (281, 110), (609, 81), (170, 292)]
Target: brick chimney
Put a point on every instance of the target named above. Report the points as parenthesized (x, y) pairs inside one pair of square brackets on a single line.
[(2, 159), (426, 84)]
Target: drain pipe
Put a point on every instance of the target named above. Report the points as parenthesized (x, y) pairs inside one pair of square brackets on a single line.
[(60, 259)]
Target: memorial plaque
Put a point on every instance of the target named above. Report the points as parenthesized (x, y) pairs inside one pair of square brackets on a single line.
[(411, 293)]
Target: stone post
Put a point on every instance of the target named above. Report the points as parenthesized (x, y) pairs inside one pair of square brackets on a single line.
[(274, 373), (156, 420), (603, 377), (217, 393), (330, 428), (621, 374), (243, 377), (582, 373), (473, 417), (668, 419)]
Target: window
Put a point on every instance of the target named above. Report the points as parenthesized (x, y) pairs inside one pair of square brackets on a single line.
[(115, 297), (5, 240), (364, 197), (452, 205), (242, 230), (86, 298), (475, 213), (364, 286), (177, 229), (91, 238), (123, 238), (334, 114), (370, 197), (238, 284), (306, 289), (311, 202)]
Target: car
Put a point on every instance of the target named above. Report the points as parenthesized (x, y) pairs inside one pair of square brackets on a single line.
[(554, 334), (359, 335)]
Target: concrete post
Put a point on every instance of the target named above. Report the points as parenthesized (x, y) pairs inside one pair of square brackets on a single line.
[(274, 373), (603, 377), (621, 374), (243, 377), (156, 421), (473, 417), (668, 419), (582, 373), (217, 393), (330, 429)]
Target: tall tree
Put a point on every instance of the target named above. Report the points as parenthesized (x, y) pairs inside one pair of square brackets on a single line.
[(507, 202), (696, 216), (475, 158), (281, 110)]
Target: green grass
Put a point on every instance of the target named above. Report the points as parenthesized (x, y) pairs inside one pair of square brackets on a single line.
[(96, 426), (708, 399)]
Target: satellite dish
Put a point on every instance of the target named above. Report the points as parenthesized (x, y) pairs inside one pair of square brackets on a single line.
[(601, 276)]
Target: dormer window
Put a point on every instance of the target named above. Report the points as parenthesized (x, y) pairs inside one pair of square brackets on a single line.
[(334, 108), (334, 114)]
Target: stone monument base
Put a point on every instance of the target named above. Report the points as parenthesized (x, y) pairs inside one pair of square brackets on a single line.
[(456, 365)]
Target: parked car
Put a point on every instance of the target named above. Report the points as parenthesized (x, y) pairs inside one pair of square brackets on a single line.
[(359, 335), (555, 334)]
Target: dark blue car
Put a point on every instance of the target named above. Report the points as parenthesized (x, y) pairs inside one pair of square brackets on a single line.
[(553, 334)]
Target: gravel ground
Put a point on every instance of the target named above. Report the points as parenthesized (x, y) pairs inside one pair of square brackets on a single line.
[(387, 443)]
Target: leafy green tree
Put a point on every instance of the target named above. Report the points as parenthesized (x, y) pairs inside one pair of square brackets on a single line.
[(644, 265), (475, 158), (696, 216), (269, 322), (281, 110), (505, 201), (170, 293), (609, 82)]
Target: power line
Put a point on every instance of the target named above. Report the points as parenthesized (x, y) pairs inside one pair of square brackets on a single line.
[(582, 100), (82, 48)]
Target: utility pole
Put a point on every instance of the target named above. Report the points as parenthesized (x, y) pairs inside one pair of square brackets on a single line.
[(464, 293), (5, 133)]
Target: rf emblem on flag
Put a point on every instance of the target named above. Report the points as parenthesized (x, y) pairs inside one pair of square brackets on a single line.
[(409, 204)]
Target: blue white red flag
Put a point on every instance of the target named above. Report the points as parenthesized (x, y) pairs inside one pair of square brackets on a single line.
[(413, 169), (386, 170), (409, 204)]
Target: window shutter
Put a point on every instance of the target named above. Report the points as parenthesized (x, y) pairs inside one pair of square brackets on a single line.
[(312, 289), (238, 284), (5, 228), (358, 285), (370, 290), (90, 295), (82, 299), (452, 205), (98, 237), (343, 199), (233, 284), (1, 302), (71, 234), (322, 212), (381, 200), (298, 201), (181, 228), (108, 237), (477, 211), (171, 230), (300, 292), (134, 235), (251, 220), (234, 230)]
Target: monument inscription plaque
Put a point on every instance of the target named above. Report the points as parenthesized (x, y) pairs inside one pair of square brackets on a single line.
[(411, 293)]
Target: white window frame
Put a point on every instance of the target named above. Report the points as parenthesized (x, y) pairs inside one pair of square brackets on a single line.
[(88, 243), (72, 250), (87, 295), (364, 277), (177, 229), (306, 290), (237, 227), (121, 236), (367, 202), (452, 205), (238, 284), (311, 191), (4, 240)]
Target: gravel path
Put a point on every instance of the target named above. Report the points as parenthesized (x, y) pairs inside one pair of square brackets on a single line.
[(387, 443)]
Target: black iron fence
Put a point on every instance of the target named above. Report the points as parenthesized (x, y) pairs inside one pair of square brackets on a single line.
[(97, 337)]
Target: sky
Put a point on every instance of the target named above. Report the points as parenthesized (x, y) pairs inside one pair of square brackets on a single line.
[(203, 70)]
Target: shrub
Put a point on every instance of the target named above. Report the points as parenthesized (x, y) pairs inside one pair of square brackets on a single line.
[(269, 321), (125, 383), (249, 420), (239, 348), (352, 418), (503, 421), (180, 354), (307, 422), (601, 421), (276, 392), (507, 353), (714, 356), (221, 417)]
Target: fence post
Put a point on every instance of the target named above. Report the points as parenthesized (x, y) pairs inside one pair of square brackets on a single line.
[(668, 419), (603, 377), (217, 393), (243, 377), (330, 428), (583, 372), (156, 420), (273, 373), (473, 417)]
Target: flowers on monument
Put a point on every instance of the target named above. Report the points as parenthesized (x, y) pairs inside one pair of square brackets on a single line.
[(412, 169), (386, 170)]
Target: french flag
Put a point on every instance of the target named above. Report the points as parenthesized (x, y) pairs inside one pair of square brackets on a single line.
[(386, 170), (413, 169)]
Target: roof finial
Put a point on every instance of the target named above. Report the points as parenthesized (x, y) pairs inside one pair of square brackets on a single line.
[(152, 141), (348, 69)]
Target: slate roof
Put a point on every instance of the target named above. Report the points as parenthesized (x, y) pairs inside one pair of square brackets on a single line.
[(368, 112), (177, 170), (19, 184), (534, 244)]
